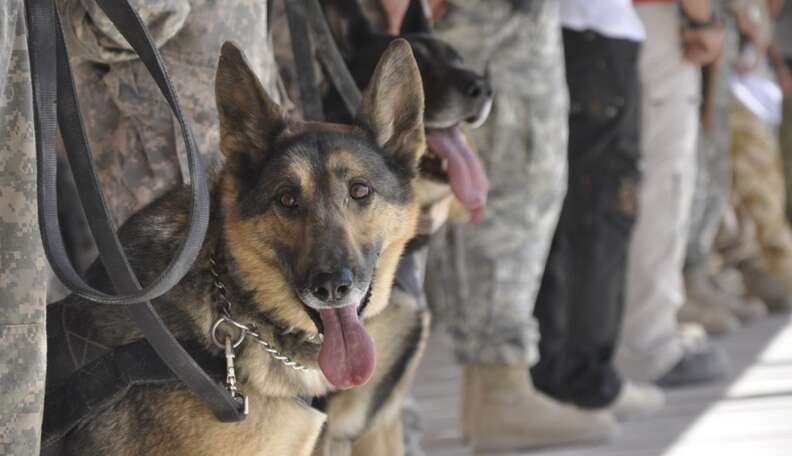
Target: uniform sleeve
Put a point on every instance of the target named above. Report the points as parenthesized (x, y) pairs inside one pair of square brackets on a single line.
[(92, 37)]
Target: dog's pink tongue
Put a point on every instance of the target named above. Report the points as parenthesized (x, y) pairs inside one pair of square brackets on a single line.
[(465, 172), (347, 354)]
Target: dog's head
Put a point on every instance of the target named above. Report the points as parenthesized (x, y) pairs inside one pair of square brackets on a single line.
[(455, 94), (316, 215)]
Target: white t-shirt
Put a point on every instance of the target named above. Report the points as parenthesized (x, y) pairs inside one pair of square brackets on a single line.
[(612, 18)]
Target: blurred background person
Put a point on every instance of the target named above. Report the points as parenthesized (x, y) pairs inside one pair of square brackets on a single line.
[(579, 306), (679, 39), (759, 241), (482, 280), (716, 298)]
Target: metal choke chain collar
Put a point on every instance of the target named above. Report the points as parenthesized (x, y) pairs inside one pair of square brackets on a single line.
[(248, 331)]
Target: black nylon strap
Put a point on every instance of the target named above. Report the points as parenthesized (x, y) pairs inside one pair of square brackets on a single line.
[(53, 90), (43, 57), (302, 48), (329, 56)]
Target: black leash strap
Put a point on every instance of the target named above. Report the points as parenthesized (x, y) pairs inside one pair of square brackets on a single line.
[(306, 18), (54, 93), (302, 48), (330, 57)]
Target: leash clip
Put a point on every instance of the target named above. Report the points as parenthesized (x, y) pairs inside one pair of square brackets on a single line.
[(231, 384)]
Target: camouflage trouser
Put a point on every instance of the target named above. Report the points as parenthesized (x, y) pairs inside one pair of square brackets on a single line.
[(482, 280), (713, 177), (759, 190), (22, 272)]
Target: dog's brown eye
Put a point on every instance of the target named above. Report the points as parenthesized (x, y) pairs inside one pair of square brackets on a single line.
[(288, 200), (359, 191)]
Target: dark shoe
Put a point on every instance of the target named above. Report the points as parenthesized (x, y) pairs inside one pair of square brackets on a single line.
[(704, 364)]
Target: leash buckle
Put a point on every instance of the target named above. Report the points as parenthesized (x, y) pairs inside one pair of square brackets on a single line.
[(231, 384)]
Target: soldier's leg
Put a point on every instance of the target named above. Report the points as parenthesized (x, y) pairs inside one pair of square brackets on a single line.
[(652, 346), (713, 170), (498, 264), (759, 195), (489, 274), (23, 276), (786, 146), (580, 302), (717, 308)]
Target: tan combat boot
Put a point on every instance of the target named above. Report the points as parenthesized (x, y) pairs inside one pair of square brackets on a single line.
[(759, 282), (729, 280), (708, 306), (503, 411)]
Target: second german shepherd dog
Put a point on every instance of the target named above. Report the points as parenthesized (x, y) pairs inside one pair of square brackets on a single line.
[(309, 221), (367, 420)]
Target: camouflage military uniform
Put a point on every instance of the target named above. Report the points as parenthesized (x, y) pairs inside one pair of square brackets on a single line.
[(759, 193), (22, 271), (483, 280), (713, 177), (136, 142)]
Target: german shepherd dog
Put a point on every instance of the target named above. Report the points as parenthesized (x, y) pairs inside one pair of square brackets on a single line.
[(309, 221), (367, 420), (455, 95)]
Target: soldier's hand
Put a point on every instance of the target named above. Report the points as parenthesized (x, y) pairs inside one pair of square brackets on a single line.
[(394, 11), (784, 77), (703, 45)]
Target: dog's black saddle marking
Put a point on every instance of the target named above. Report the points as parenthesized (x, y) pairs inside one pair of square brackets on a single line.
[(106, 380)]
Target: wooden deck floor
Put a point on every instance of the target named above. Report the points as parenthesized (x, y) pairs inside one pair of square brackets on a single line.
[(748, 415)]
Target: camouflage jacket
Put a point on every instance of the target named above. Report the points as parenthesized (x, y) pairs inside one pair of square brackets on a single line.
[(136, 142)]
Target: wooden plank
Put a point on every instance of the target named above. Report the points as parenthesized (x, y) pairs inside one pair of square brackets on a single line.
[(749, 414)]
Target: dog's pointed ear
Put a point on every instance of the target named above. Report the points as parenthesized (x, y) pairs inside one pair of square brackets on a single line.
[(250, 120), (416, 19), (393, 105)]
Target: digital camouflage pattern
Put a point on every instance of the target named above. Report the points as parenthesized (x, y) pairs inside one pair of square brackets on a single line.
[(759, 193), (483, 279), (23, 276), (136, 141), (713, 173)]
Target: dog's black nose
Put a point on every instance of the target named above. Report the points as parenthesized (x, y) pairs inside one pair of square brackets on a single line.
[(331, 286), (480, 87)]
